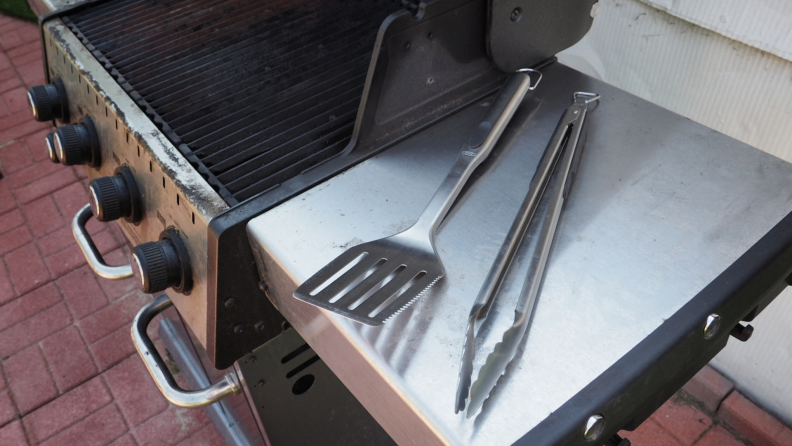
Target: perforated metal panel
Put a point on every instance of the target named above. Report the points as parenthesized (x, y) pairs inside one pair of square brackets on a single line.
[(299, 400)]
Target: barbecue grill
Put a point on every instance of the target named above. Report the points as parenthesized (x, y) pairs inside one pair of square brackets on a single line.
[(242, 145)]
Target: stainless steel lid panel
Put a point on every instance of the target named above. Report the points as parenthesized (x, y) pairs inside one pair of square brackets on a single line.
[(252, 93)]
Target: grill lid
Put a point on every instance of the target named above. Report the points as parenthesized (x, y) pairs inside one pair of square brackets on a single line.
[(252, 93)]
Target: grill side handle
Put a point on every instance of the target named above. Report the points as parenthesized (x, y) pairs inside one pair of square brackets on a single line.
[(227, 386), (92, 254)]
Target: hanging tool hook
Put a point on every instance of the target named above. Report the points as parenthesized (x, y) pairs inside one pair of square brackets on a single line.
[(532, 71), (586, 96)]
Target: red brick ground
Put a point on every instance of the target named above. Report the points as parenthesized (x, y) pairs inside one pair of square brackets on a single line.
[(70, 372), (709, 412)]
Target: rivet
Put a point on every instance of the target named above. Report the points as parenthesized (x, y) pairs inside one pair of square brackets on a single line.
[(430, 36), (252, 359), (407, 46), (230, 302), (259, 326), (711, 326), (594, 427), (238, 329)]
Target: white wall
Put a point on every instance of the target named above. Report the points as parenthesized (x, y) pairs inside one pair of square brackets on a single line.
[(736, 87)]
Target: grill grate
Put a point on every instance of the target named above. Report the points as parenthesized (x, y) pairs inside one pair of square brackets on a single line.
[(251, 92)]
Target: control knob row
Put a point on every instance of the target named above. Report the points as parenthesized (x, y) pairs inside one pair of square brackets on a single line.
[(70, 145), (156, 265)]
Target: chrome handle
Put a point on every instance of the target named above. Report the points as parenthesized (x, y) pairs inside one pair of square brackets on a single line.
[(477, 148), (229, 385), (92, 255)]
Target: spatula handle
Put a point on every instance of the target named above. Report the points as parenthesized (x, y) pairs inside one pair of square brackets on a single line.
[(477, 148)]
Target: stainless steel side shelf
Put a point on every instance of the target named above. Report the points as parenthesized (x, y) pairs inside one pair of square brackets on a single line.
[(92, 254), (229, 385)]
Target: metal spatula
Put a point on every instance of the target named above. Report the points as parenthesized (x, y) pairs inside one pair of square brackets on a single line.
[(373, 281)]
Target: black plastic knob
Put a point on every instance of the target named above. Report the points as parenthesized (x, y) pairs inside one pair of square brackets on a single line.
[(115, 197), (78, 144), (48, 102), (163, 264), (51, 154)]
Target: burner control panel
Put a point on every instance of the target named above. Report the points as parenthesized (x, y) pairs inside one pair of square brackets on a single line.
[(138, 177)]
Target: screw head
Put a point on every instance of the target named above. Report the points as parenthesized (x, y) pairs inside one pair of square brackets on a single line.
[(229, 302), (594, 10), (594, 427), (259, 326), (711, 326), (238, 329), (516, 15)]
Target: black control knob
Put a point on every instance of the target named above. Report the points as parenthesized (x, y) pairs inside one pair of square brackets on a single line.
[(51, 154), (115, 197), (78, 144), (48, 102), (163, 264)]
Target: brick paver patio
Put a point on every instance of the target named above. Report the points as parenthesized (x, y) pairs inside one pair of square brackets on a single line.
[(70, 374)]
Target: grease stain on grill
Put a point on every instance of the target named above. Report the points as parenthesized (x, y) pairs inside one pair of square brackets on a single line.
[(254, 92)]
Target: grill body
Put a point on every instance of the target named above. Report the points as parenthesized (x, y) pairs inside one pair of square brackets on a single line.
[(224, 110)]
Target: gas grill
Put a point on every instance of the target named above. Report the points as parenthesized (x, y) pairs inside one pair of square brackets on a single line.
[(242, 144)]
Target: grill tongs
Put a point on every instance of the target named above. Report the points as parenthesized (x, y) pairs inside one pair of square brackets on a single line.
[(561, 155)]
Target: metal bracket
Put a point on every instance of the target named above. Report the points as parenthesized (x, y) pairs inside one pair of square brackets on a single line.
[(92, 254), (229, 385), (522, 33)]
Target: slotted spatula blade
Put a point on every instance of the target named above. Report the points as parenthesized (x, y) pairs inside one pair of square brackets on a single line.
[(374, 281)]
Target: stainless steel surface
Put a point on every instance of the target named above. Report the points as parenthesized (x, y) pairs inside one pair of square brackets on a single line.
[(41, 7), (497, 272), (227, 386), (33, 107), (378, 279), (226, 417), (93, 202), (175, 195), (594, 427), (661, 206), (59, 147), (568, 134), (51, 153), (90, 251), (711, 326)]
